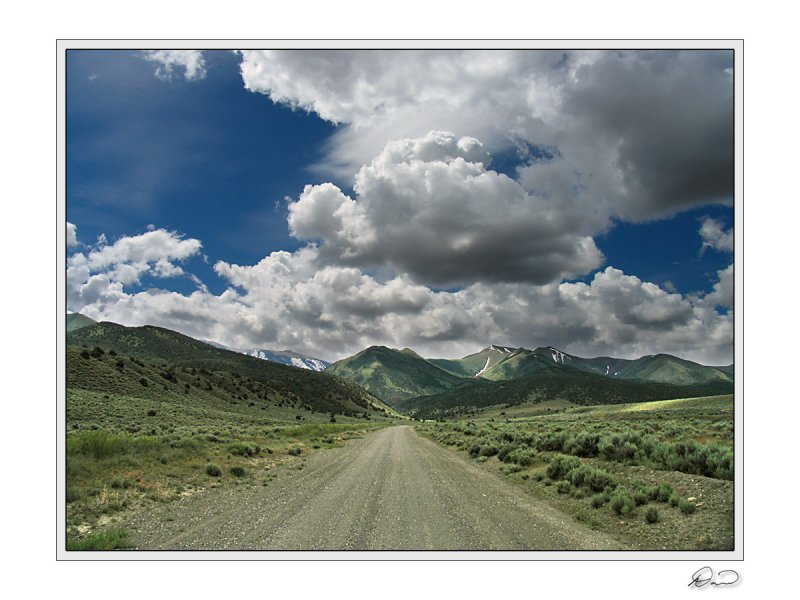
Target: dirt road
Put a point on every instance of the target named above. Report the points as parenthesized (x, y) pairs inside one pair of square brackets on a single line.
[(392, 490)]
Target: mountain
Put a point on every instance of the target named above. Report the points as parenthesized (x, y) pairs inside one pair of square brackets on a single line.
[(287, 357), (503, 363), (671, 369), (522, 363), (393, 375), (284, 357), (77, 320), (169, 351), (476, 364)]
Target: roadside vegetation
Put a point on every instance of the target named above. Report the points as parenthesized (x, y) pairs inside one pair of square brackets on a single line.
[(141, 432), (657, 473)]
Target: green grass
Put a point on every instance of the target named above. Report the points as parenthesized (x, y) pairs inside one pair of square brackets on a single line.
[(113, 539)]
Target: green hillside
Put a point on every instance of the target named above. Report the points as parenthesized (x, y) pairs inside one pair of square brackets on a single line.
[(471, 365), (728, 370), (660, 368), (523, 363), (671, 369), (393, 375), (77, 320), (566, 385), (171, 353)]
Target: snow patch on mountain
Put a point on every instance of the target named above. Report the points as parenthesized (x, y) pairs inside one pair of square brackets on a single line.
[(486, 366)]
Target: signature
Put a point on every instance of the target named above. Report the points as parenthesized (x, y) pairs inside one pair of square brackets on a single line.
[(705, 576)]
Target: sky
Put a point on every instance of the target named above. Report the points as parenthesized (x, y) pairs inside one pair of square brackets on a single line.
[(326, 201)]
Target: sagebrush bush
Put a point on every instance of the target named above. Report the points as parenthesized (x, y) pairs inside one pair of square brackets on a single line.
[(651, 515), (599, 500), (489, 450), (686, 507), (583, 444), (622, 503), (561, 465), (238, 471), (597, 480), (213, 469)]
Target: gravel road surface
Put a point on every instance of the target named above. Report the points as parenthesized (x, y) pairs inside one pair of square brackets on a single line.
[(391, 490)]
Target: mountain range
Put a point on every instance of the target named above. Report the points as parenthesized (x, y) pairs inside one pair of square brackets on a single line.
[(498, 374), (379, 377), (285, 357)]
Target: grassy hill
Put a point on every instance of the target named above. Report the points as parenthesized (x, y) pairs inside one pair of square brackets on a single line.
[(569, 386), (77, 320), (522, 363), (171, 353), (394, 375), (471, 365), (671, 369)]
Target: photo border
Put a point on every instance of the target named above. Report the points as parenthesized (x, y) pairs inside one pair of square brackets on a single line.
[(64, 45)]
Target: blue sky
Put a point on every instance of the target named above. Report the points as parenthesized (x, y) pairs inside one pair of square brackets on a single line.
[(219, 156)]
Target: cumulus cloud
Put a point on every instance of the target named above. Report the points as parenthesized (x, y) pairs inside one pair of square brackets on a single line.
[(722, 294), (714, 235), (431, 208), (99, 276), (72, 235), (639, 135), (287, 301), (191, 62)]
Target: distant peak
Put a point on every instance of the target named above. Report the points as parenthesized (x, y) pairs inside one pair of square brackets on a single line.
[(503, 349)]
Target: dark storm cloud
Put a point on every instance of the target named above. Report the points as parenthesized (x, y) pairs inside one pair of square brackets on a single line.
[(670, 118)]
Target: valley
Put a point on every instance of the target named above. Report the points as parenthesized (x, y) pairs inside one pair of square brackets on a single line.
[(173, 443)]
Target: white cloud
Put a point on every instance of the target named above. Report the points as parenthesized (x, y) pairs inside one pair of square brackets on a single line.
[(639, 135), (714, 235), (722, 294), (429, 207), (191, 62), (72, 235), (98, 278), (286, 301)]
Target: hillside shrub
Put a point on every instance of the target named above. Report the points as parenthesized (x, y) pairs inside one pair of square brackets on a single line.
[(583, 444), (213, 469), (238, 471), (622, 503), (597, 480), (651, 515), (561, 465), (489, 450), (615, 448)]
